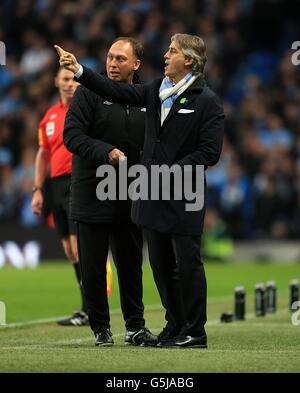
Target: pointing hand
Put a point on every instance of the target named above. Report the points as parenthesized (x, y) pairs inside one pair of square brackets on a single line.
[(67, 60)]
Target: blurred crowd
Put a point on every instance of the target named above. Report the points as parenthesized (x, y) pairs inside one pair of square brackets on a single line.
[(255, 188)]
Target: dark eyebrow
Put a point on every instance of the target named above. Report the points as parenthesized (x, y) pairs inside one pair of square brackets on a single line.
[(118, 56)]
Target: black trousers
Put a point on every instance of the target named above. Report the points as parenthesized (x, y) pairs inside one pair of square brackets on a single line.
[(126, 243), (180, 278)]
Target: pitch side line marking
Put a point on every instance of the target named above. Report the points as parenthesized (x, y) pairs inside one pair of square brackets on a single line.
[(150, 307)]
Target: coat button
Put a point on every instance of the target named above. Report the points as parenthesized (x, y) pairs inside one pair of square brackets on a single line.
[(157, 140)]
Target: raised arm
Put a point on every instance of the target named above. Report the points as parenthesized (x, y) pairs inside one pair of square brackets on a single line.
[(123, 93)]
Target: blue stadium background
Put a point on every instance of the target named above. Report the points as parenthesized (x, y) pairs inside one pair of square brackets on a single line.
[(254, 191)]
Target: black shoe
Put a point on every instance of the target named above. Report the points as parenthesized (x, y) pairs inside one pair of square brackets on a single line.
[(79, 318), (140, 337), (165, 335), (185, 341), (104, 338)]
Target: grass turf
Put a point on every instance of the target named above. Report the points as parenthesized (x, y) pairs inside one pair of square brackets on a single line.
[(265, 344)]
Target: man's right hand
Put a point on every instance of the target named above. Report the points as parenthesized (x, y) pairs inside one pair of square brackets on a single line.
[(115, 156), (67, 60), (37, 202)]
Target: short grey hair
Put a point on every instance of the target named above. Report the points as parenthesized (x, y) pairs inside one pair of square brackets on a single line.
[(193, 47)]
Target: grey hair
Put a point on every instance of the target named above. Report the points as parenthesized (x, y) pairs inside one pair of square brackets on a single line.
[(193, 47)]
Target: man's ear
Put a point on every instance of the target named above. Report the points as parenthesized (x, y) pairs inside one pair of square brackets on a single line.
[(137, 65), (188, 62)]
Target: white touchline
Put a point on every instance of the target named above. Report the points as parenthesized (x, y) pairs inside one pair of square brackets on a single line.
[(151, 307)]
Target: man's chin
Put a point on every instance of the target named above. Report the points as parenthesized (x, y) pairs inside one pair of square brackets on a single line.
[(167, 74), (114, 77), (69, 96)]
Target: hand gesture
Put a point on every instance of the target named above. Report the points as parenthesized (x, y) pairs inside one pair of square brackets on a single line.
[(115, 156), (67, 60)]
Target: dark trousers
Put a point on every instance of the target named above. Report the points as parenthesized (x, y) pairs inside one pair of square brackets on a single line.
[(180, 278), (126, 243)]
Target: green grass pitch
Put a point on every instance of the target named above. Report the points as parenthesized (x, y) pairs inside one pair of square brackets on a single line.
[(258, 344)]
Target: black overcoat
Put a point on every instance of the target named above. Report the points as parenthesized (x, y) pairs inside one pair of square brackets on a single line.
[(191, 134)]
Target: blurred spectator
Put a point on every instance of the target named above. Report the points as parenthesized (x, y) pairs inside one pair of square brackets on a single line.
[(36, 55), (216, 243), (24, 181), (8, 188), (13, 101), (274, 136), (252, 153), (236, 202)]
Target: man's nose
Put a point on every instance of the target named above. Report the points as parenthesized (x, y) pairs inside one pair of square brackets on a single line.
[(113, 62)]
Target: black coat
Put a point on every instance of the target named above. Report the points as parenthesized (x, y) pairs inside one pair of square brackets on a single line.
[(93, 127), (192, 137)]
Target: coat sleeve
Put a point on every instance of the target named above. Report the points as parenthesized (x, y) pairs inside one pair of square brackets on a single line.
[(210, 138), (122, 93), (78, 121)]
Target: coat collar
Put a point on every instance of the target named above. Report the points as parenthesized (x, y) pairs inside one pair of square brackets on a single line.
[(183, 100)]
